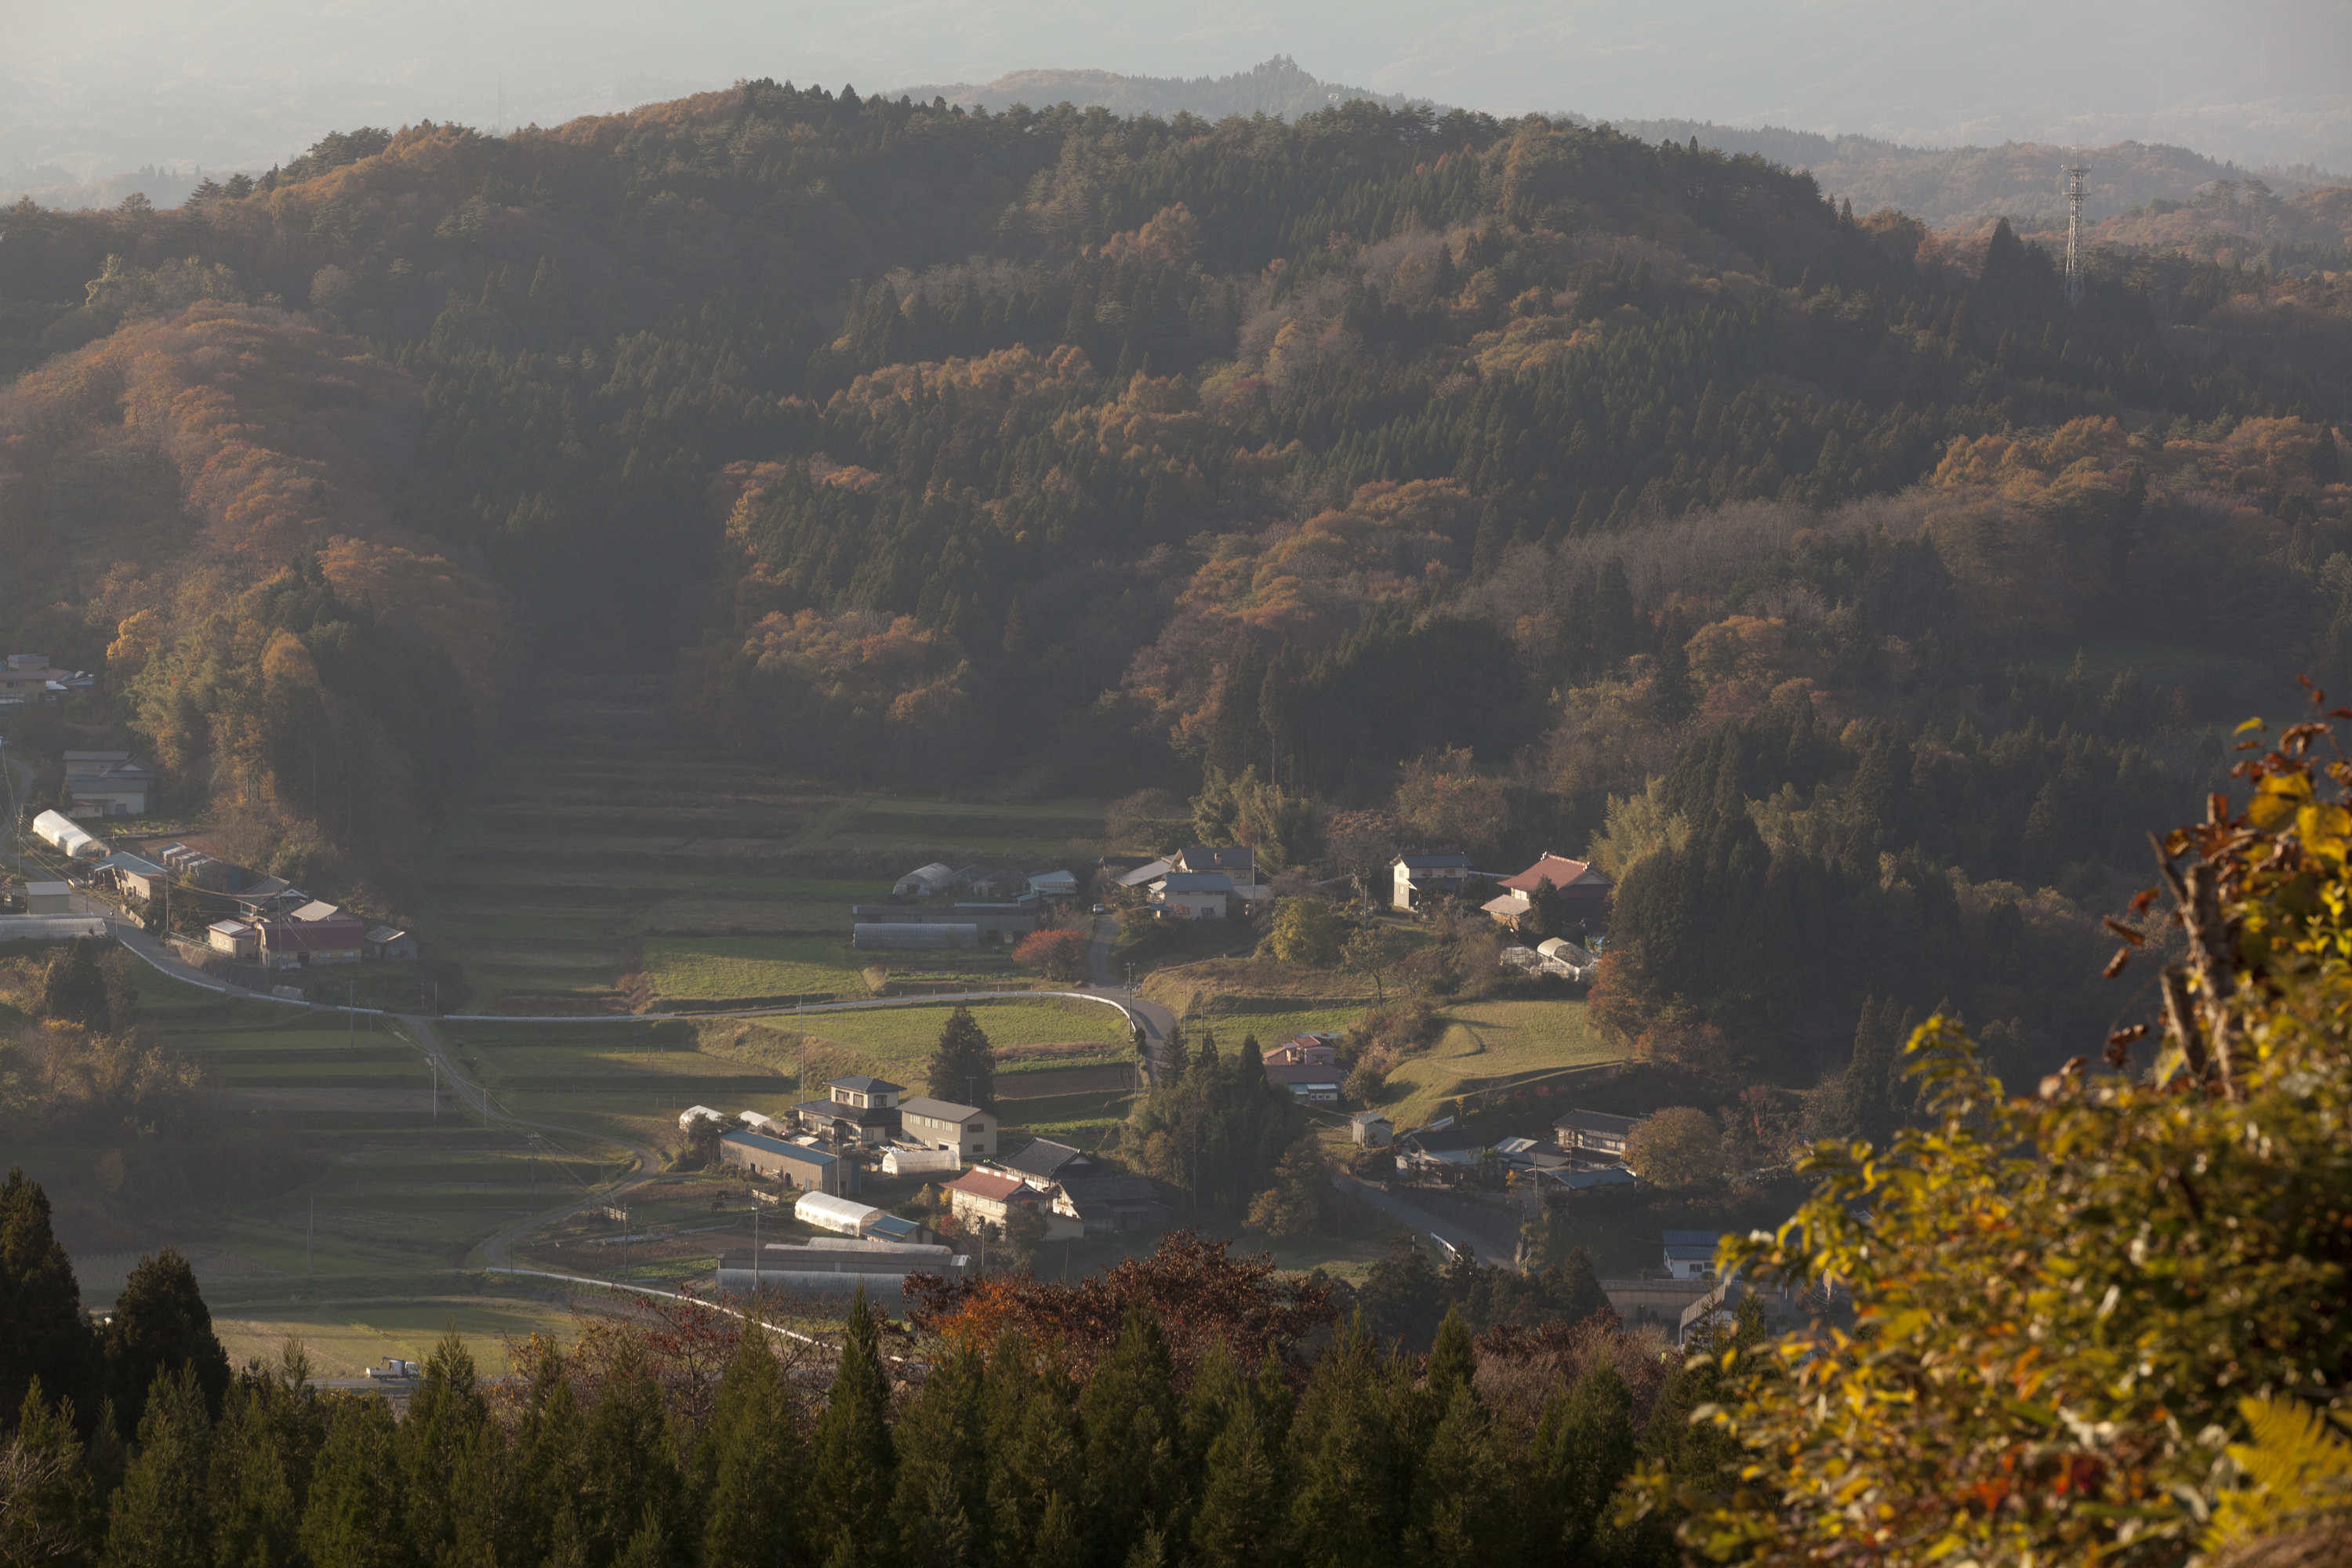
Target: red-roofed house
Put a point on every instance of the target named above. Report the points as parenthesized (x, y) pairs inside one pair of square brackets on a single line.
[(984, 1197), (1304, 1051), (294, 944), (1583, 891)]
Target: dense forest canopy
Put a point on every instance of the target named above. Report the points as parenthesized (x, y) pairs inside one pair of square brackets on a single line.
[(1255, 456)]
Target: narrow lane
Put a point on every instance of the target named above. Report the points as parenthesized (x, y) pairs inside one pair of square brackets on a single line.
[(1413, 1217)]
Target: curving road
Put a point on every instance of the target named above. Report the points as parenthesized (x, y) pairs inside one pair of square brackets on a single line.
[(1155, 1021)]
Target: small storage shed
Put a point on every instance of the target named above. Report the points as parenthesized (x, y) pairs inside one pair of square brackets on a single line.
[(49, 898), (234, 938)]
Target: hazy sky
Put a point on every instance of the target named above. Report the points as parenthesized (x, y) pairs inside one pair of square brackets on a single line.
[(226, 82)]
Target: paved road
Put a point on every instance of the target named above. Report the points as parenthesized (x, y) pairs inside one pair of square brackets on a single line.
[(1415, 1217), (1157, 1021)]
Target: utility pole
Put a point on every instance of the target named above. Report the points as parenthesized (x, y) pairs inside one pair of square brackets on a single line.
[(352, 1013), (2075, 174), (755, 1243), (310, 1241)]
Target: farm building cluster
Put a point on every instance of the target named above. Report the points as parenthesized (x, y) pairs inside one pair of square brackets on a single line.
[(991, 906)]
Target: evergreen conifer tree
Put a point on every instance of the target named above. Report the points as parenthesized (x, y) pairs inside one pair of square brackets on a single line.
[(160, 1518), (963, 1064), (356, 1516), (852, 1466), (448, 1459), (1037, 1460), (1451, 1365), (257, 1514), (1861, 1108), (1460, 1512), (542, 1477), (51, 1512), (942, 1444), (42, 1333), (1239, 1523), (1133, 1475), (161, 1323), (629, 1480), (745, 1515), (1584, 1447), (1352, 1476)]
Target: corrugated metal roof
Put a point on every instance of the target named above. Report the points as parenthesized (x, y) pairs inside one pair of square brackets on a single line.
[(766, 1145)]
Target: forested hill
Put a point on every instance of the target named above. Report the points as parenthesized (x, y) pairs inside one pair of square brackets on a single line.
[(1246, 461)]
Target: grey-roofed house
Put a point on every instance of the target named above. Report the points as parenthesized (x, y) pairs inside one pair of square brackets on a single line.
[(856, 1109), (1372, 1129), (120, 789), (1595, 1135), (1111, 1203), (1143, 876), (966, 1129), (1690, 1254), (1043, 1162), (1195, 895)]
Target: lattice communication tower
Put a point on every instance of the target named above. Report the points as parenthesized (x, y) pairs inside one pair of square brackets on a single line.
[(2075, 175)]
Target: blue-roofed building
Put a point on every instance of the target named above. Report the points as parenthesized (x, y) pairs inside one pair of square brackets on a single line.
[(1690, 1254), (796, 1165)]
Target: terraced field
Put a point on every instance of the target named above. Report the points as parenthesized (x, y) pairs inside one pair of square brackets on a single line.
[(598, 849)]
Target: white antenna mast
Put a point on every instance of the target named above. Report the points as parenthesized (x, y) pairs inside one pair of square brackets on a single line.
[(2075, 174)]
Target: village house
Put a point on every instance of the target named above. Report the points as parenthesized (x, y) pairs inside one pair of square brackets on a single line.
[(964, 1130), (1043, 1164), (1690, 1254), (1110, 1204), (110, 785), (856, 1109), (1415, 879), (1595, 1135), (304, 945), (1236, 862), (1195, 895), (1583, 892), (1316, 1050), (1371, 1130), (1310, 1085), (986, 1197), (794, 1164)]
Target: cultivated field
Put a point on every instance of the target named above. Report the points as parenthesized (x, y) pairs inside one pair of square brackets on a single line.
[(594, 850)]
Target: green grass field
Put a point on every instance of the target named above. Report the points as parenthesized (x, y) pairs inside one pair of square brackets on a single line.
[(1497, 1046), (751, 968)]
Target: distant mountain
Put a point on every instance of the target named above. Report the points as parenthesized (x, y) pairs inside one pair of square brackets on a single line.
[(1276, 87), (2023, 181)]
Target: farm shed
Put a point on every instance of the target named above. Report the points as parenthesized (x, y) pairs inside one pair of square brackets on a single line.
[(794, 1164), (49, 898)]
